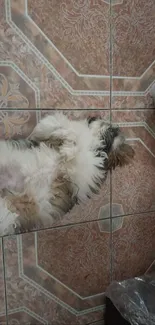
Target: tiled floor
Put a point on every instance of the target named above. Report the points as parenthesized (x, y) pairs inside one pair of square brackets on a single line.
[(85, 57)]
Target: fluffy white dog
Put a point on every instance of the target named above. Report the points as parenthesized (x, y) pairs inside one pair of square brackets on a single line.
[(61, 164)]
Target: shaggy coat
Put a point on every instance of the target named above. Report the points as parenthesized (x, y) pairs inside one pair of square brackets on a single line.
[(61, 164)]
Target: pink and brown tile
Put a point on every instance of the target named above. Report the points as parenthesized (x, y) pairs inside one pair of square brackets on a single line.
[(132, 246), (55, 275), (133, 24), (101, 322), (15, 92), (133, 185), (89, 85), (16, 124), (2, 288), (85, 35), (3, 320)]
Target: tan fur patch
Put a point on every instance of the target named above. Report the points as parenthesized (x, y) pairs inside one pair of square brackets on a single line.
[(54, 143), (120, 157), (26, 207), (62, 198)]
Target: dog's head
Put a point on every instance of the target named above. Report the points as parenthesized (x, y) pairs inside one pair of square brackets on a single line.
[(113, 142)]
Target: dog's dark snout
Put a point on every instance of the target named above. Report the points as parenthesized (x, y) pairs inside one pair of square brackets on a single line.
[(114, 131), (110, 134)]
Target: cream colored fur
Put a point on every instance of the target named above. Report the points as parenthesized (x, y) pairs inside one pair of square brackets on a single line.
[(40, 184)]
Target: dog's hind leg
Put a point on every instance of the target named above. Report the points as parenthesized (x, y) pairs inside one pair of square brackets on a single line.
[(8, 219), (22, 213)]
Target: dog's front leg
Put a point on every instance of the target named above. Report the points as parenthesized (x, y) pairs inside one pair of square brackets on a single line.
[(54, 130)]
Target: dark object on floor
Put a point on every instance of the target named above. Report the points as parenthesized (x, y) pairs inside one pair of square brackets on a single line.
[(112, 316), (131, 301)]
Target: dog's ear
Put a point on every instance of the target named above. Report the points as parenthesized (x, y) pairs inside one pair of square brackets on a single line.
[(120, 156)]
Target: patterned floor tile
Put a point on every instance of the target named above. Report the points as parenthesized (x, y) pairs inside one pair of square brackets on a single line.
[(132, 246), (69, 74), (83, 27), (54, 275), (17, 124), (3, 320), (2, 288), (133, 24), (133, 185), (16, 91), (98, 323)]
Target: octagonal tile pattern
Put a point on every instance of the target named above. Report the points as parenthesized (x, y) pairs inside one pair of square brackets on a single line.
[(104, 222), (33, 287), (49, 274), (60, 275), (67, 60)]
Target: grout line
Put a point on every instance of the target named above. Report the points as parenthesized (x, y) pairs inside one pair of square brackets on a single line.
[(74, 224), (111, 79), (111, 53), (56, 109), (95, 322), (78, 109), (5, 285)]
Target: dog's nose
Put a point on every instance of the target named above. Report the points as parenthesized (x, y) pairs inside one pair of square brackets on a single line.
[(114, 131)]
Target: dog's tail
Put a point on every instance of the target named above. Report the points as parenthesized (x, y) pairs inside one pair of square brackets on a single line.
[(120, 153)]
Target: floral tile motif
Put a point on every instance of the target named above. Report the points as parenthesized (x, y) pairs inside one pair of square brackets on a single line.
[(75, 73), (24, 43), (36, 269), (133, 185), (132, 246), (17, 124), (15, 92), (133, 24)]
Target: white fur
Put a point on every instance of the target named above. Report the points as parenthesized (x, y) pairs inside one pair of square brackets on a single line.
[(33, 171)]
